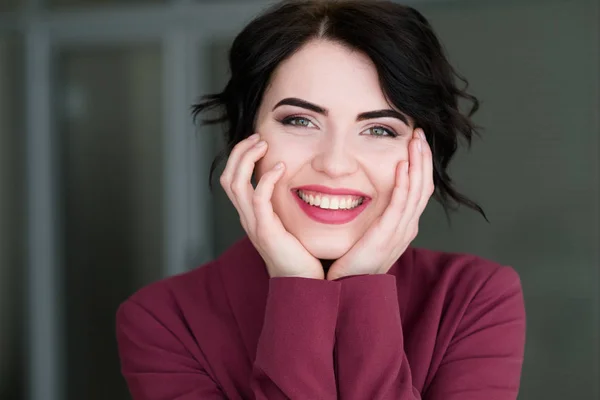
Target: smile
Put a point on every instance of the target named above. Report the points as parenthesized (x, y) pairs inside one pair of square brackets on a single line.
[(328, 205), (330, 202)]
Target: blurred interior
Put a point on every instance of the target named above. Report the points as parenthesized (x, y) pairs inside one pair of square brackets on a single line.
[(103, 177)]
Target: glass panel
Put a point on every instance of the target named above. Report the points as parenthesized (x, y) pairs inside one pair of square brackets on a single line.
[(110, 129), (12, 201)]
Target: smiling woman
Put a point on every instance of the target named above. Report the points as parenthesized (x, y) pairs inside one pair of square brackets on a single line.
[(346, 114)]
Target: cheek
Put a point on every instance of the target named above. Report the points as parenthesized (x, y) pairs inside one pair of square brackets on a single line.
[(382, 174), (385, 185), (273, 156), (294, 155)]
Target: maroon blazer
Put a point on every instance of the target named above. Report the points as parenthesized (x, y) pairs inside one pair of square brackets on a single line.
[(438, 326)]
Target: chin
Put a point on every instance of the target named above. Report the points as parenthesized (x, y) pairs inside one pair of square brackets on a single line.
[(325, 248)]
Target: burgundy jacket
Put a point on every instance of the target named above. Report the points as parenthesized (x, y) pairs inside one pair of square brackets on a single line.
[(438, 326)]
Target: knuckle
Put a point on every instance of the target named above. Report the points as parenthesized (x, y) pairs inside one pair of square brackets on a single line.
[(237, 188), (237, 147), (224, 181), (430, 188), (264, 187), (257, 199), (415, 232), (266, 180)]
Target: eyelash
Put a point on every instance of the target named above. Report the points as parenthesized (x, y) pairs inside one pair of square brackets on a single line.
[(288, 121)]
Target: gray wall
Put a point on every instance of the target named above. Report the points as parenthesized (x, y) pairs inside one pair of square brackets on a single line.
[(535, 66)]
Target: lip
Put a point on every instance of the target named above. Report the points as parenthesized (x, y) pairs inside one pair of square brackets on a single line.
[(330, 217), (332, 191)]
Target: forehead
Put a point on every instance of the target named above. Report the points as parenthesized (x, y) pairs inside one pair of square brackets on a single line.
[(331, 75)]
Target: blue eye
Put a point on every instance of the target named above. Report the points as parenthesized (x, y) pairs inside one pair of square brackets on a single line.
[(379, 131), (297, 121)]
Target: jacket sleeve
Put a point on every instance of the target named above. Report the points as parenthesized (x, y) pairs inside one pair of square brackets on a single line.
[(293, 360), (370, 358), (483, 360), (485, 356)]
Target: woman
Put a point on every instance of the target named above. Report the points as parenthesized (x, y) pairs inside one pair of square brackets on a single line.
[(346, 114)]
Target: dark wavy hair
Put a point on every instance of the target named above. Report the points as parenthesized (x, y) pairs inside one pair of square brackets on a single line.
[(413, 70)]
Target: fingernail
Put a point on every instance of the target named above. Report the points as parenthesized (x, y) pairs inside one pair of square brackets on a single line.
[(420, 145), (253, 137), (422, 134), (260, 144), (279, 165)]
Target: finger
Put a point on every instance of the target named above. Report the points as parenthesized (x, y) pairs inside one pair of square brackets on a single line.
[(415, 177), (393, 213), (241, 186), (234, 157), (231, 166), (334, 273), (263, 207), (427, 183)]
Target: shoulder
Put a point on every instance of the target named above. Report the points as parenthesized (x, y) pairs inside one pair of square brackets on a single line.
[(163, 306), (172, 293), (199, 293), (462, 272), (453, 285), (465, 293)]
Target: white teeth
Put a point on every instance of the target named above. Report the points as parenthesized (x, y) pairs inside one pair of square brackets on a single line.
[(331, 202), (334, 204)]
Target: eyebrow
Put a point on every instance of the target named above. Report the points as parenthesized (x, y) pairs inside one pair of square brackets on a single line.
[(388, 113)]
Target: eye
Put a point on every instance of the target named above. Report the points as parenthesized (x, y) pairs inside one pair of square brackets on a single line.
[(298, 121), (380, 131)]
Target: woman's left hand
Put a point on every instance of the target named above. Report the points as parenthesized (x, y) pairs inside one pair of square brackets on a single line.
[(391, 233)]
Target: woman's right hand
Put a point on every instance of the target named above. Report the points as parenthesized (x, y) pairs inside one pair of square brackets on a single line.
[(283, 254)]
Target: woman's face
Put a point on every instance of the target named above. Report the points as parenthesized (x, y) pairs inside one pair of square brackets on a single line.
[(325, 116)]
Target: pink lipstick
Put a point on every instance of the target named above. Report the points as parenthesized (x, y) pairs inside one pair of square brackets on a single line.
[(326, 205)]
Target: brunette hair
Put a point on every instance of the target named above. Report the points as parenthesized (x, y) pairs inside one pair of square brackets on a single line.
[(414, 73)]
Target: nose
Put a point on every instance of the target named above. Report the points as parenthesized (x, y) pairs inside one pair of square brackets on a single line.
[(334, 158)]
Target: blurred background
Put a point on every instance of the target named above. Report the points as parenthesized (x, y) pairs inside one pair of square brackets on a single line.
[(103, 177)]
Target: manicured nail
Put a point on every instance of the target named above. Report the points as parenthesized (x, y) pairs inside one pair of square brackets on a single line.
[(422, 134), (254, 137), (279, 165), (420, 145), (260, 144)]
